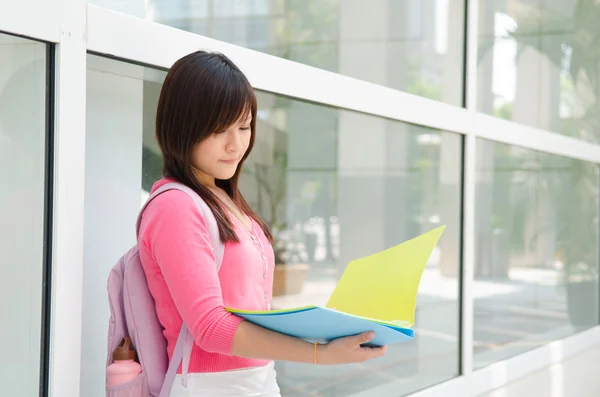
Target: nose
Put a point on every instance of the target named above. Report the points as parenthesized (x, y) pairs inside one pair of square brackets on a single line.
[(234, 143)]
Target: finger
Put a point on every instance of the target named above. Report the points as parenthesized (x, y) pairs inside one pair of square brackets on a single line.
[(365, 337), (369, 353), (374, 352), (382, 348)]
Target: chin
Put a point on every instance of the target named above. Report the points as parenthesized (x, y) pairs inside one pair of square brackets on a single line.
[(224, 175)]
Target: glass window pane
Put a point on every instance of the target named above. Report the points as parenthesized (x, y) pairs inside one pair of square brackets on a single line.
[(410, 45), (333, 195), (121, 104), (22, 170), (536, 268), (539, 64)]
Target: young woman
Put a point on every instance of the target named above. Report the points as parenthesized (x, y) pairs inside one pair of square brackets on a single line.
[(205, 126)]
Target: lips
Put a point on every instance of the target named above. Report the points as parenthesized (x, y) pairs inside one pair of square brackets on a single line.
[(232, 161)]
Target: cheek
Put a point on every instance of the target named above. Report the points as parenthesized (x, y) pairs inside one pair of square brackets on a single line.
[(246, 140), (201, 153)]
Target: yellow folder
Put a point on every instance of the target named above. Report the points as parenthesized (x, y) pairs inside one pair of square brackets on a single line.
[(383, 286)]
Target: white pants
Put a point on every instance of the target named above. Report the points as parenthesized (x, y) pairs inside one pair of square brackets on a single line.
[(252, 382)]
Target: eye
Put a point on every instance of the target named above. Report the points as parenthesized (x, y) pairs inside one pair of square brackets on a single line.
[(245, 128)]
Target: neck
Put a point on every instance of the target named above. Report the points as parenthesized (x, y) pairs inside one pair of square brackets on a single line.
[(205, 179)]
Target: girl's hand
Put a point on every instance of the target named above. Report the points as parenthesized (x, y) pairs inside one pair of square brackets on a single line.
[(349, 350)]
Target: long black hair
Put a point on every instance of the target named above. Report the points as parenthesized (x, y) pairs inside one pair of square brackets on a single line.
[(204, 93)]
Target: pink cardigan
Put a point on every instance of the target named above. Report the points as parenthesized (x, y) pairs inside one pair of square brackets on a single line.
[(180, 266)]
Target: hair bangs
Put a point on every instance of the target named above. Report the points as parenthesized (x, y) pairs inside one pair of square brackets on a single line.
[(233, 101)]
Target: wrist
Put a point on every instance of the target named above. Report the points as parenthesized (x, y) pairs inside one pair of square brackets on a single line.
[(321, 354)]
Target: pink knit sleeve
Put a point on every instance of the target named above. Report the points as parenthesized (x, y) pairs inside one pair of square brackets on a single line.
[(175, 233)]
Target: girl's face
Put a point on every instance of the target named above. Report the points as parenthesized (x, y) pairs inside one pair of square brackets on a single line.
[(218, 156)]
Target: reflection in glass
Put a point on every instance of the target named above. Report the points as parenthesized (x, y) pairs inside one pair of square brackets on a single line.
[(22, 144), (410, 45), (539, 64), (536, 245)]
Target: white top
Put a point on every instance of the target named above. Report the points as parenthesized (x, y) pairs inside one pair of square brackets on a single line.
[(255, 382)]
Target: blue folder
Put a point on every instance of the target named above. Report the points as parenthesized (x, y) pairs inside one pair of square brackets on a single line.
[(321, 324), (373, 293)]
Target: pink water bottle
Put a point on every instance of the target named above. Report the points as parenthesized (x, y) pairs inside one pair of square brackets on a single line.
[(124, 367)]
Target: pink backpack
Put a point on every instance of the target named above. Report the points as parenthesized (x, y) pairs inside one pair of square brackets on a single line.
[(133, 314)]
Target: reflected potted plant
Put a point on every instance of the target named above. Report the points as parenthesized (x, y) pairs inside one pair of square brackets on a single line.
[(575, 231), (271, 185), (576, 203), (582, 294), (578, 244), (290, 270)]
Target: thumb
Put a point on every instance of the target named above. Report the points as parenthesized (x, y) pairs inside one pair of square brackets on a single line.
[(366, 337)]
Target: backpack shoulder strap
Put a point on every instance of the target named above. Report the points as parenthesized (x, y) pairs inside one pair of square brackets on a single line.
[(185, 341), (211, 222)]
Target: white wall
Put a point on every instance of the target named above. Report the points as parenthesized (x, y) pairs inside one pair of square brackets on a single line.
[(112, 200), (22, 142)]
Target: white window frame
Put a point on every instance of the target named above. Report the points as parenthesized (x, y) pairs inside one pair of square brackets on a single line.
[(152, 44), (69, 189), (62, 23), (36, 19), (76, 27)]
